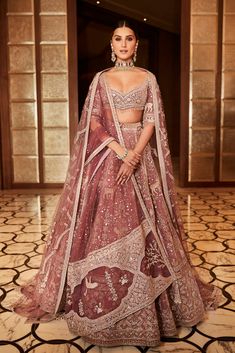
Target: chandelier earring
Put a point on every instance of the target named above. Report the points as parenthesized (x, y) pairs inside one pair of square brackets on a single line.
[(113, 56), (135, 53)]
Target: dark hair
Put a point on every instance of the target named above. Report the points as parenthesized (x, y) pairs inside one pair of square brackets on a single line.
[(126, 23)]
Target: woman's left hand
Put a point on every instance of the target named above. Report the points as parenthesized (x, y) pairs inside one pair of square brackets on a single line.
[(132, 159), (124, 174)]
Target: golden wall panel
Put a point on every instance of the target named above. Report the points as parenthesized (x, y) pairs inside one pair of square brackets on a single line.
[(229, 113), (228, 168), (55, 168), (20, 29), (229, 140), (229, 57), (53, 58), (53, 5), (24, 104), (204, 57), (204, 29), (204, 113), (204, 98), (25, 142), (54, 86), (25, 169), (23, 115), (203, 141), (229, 84), (55, 114), (229, 6), (203, 85), (20, 5), (202, 168), (53, 28), (198, 6), (56, 141), (229, 28), (21, 58), (22, 86)]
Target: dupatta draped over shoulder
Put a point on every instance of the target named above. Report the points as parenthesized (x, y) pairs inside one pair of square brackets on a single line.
[(116, 262)]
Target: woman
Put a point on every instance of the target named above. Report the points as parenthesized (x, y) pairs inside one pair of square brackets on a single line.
[(116, 261)]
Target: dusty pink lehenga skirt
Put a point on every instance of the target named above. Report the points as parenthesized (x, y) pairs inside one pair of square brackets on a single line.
[(129, 279)]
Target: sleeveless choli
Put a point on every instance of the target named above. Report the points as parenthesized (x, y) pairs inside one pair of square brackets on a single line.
[(134, 99), (117, 254)]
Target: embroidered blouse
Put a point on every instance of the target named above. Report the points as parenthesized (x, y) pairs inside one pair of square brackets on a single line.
[(139, 98)]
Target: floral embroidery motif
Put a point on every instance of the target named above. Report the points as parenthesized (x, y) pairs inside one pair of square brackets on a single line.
[(80, 308), (123, 280), (153, 255), (110, 285), (98, 308)]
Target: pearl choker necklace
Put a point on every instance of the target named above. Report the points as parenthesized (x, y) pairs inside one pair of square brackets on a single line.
[(124, 65)]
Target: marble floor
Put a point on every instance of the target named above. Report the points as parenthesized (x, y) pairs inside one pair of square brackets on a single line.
[(209, 218)]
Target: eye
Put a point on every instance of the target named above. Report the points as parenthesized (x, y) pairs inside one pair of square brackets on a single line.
[(130, 39), (117, 39)]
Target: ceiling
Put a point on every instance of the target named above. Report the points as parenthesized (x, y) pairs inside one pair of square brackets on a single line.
[(163, 14)]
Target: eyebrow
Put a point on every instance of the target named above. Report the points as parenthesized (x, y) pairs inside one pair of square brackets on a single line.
[(128, 35)]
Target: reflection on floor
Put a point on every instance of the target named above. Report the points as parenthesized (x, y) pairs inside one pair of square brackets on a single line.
[(209, 218)]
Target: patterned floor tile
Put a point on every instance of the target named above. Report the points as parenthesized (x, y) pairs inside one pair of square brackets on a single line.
[(209, 220)]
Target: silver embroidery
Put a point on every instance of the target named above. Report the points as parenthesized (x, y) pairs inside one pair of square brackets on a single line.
[(134, 99), (89, 284), (148, 108), (153, 255), (132, 245), (80, 308), (98, 308), (110, 285), (123, 280), (141, 293)]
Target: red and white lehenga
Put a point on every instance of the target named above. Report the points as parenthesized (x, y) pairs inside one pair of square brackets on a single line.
[(116, 260)]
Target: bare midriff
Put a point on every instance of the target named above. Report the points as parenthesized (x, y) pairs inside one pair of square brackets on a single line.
[(129, 115)]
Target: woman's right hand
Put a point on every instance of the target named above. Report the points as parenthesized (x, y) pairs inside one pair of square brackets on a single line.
[(132, 159)]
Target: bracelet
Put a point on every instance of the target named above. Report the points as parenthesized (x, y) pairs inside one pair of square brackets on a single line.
[(124, 154)]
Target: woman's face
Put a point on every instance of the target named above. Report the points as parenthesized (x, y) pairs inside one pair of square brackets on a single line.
[(124, 43)]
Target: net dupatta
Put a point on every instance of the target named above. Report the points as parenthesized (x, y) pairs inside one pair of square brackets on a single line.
[(85, 120), (46, 289), (164, 158)]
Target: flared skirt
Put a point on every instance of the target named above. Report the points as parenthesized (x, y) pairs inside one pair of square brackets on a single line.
[(128, 279)]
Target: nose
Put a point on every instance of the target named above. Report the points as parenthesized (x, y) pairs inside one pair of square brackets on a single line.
[(123, 43)]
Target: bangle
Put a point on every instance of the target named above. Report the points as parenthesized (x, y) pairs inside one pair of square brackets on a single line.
[(124, 154)]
